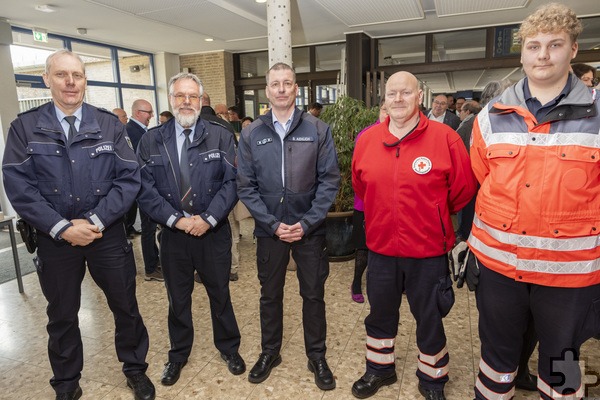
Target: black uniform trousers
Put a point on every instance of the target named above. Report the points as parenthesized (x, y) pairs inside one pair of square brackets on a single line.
[(210, 255), (428, 288), (61, 268), (310, 254), (148, 241), (564, 319)]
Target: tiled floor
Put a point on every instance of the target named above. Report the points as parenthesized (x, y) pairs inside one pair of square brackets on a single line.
[(24, 369)]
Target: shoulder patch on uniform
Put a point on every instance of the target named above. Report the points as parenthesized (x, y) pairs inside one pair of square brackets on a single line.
[(129, 142)]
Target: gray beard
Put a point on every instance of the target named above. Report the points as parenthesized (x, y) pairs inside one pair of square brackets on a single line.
[(186, 120)]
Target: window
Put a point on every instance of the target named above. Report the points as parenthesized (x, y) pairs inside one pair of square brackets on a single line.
[(116, 77), (459, 45), (254, 64), (402, 50), (329, 57)]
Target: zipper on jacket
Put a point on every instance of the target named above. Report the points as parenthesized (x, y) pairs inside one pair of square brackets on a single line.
[(442, 224)]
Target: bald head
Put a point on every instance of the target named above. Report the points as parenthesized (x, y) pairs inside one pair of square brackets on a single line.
[(119, 112), (205, 99), (141, 111), (402, 97)]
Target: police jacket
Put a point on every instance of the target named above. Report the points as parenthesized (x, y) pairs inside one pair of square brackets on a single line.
[(50, 182), (310, 167), (410, 188), (212, 173), (537, 215)]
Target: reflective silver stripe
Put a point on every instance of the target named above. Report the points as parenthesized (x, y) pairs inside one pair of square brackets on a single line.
[(547, 267), (491, 395), (171, 221), (433, 372), (212, 220), (498, 377), (56, 228), (538, 242), (380, 343), (432, 360), (544, 387), (96, 221), (541, 139), (380, 358)]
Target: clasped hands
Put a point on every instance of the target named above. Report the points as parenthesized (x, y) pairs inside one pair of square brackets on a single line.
[(81, 233), (289, 233), (193, 225)]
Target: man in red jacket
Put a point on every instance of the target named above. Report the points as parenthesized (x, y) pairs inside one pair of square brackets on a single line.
[(411, 173)]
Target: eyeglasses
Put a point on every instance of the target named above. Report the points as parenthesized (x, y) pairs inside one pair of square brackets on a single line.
[(146, 111), (192, 98), (440, 103)]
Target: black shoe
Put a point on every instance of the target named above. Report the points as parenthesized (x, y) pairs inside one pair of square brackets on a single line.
[(323, 375), (142, 387), (233, 276), (369, 384), (74, 395), (527, 382), (262, 368), (432, 394), (171, 373), (235, 363)]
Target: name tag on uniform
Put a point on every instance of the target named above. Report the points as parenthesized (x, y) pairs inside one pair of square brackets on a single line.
[(103, 148), (212, 156), (264, 141), (302, 139)]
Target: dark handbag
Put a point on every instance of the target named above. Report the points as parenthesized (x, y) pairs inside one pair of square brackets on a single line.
[(28, 234)]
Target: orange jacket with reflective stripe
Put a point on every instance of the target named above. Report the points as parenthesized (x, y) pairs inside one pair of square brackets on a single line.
[(537, 216)]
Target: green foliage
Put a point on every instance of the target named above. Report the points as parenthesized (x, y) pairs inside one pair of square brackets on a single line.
[(347, 117)]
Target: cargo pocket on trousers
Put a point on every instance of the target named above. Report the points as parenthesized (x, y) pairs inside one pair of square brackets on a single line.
[(445, 295)]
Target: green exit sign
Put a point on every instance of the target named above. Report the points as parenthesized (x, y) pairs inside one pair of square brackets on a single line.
[(40, 36)]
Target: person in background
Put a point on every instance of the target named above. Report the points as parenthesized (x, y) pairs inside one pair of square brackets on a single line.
[(193, 158), (358, 227), (459, 103), (451, 103), (222, 111), (76, 199), (439, 112), (247, 121), (534, 242), (165, 116), (141, 113), (288, 177), (315, 109), (409, 157), (586, 73), (121, 114)]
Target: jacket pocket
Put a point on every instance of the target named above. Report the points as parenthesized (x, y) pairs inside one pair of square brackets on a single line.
[(501, 160)]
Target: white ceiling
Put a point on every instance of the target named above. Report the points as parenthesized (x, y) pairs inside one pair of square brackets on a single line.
[(180, 26)]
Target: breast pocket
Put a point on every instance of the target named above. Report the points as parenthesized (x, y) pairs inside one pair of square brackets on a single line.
[(501, 159), (102, 162), (301, 165), (47, 161)]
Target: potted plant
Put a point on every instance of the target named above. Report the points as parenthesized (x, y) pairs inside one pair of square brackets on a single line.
[(346, 118)]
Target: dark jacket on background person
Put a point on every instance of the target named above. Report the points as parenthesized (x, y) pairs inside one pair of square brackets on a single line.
[(211, 155), (45, 179), (135, 132), (311, 173)]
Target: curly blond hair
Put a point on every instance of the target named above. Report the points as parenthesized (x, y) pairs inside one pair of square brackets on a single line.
[(551, 18)]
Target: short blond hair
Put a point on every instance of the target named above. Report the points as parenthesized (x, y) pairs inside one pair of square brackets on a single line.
[(551, 18)]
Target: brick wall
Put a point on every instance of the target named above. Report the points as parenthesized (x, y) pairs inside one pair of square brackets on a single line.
[(215, 70)]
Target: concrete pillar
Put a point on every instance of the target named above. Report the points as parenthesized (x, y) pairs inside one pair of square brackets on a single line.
[(9, 106), (279, 26), (166, 65)]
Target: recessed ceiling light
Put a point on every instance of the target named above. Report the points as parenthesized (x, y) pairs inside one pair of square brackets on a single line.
[(209, 39), (45, 8), (261, 1)]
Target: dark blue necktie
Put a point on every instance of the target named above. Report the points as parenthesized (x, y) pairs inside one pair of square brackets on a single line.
[(184, 175), (72, 130)]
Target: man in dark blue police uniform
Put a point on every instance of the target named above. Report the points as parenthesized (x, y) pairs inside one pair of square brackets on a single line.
[(188, 186), (70, 172)]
